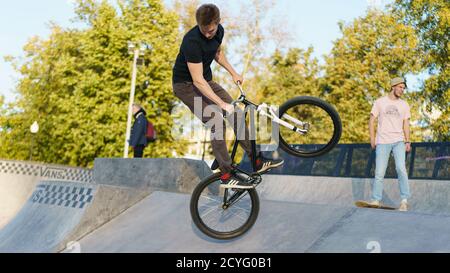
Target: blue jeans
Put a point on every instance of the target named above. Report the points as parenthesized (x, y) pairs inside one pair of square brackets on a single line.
[(383, 152)]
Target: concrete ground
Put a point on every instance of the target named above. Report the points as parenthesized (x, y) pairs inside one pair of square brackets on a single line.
[(162, 223)]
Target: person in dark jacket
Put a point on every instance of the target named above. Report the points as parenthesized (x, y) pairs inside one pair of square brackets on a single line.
[(137, 138)]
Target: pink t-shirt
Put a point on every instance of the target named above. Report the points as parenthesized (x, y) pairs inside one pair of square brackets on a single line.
[(390, 114)]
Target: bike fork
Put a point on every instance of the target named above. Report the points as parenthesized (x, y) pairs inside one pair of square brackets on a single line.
[(239, 194)]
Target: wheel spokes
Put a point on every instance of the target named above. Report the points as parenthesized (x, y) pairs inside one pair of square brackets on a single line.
[(223, 220)]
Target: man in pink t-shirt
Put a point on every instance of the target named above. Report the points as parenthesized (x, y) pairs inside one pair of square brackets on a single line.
[(392, 135)]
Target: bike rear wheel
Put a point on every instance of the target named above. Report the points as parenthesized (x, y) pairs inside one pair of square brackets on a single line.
[(213, 218), (320, 122)]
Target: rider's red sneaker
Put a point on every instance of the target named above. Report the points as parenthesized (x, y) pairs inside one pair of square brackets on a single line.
[(234, 181)]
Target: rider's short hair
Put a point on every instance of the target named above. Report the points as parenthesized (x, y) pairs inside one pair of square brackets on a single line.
[(207, 14)]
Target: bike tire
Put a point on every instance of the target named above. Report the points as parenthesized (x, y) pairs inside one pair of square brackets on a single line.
[(197, 219), (331, 112)]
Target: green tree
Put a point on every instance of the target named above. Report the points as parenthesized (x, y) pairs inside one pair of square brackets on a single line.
[(372, 50), (431, 20), (296, 73), (76, 84)]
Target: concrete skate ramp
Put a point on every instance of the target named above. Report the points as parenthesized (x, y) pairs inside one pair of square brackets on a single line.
[(18, 179), (167, 174), (142, 205), (52, 212), (162, 223), (59, 212), (428, 196)]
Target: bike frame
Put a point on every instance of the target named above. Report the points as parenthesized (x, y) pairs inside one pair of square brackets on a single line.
[(270, 112)]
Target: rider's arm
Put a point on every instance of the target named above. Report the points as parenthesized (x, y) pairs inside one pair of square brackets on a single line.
[(222, 60), (196, 70)]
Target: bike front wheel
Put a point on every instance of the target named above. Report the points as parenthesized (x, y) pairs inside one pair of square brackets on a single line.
[(223, 213), (317, 127)]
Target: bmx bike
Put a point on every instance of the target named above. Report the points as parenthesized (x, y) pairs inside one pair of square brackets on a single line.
[(223, 213)]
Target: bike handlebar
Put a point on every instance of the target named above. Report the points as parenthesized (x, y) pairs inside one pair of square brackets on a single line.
[(241, 98), (240, 88)]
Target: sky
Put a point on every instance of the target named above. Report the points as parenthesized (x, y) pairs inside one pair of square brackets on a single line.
[(311, 23)]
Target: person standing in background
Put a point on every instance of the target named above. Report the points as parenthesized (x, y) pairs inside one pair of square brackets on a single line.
[(138, 140), (392, 135)]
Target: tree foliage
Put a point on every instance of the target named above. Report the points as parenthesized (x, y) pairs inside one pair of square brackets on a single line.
[(373, 49), (76, 84), (431, 20)]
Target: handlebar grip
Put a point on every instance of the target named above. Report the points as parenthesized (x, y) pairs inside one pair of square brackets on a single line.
[(234, 103)]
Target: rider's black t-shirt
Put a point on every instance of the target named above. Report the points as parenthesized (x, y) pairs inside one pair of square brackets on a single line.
[(196, 48)]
